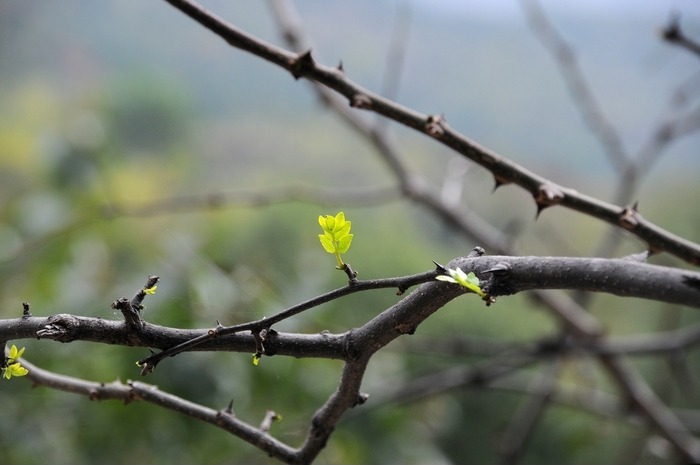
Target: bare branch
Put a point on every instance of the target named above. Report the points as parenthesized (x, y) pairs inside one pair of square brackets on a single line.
[(255, 198), (134, 391), (673, 34), (543, 191)]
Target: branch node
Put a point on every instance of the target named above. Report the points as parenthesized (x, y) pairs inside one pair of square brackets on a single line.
[(435, 125), (629, 218), (361, 399), (147, 366), (476, 252), (132, 316), (500, 268), (352, 275), (548, 194), (60, 328), (361, 101)]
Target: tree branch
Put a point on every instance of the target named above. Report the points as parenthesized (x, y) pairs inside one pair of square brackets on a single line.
[(544, 192), (134, 391)]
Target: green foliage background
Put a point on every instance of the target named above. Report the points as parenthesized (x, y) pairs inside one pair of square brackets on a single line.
[(118, 104)]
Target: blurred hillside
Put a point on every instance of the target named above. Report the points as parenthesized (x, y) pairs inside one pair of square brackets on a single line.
[(486, 73)]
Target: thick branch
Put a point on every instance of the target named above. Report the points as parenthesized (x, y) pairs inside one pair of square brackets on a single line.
[(68, 328), (621, 277)]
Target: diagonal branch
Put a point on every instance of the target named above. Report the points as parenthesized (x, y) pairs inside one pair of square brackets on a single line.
[(544, 192), (134, 391), (673, 34)]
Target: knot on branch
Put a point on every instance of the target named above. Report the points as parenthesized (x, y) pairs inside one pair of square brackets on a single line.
[(361, 101), (629, 217), (435, 125), (498, 282), (547, 194), (261, 337), (132, 315), (61, 328)]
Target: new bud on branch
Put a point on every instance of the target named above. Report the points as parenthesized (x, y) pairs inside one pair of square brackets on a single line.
[(336, 237)]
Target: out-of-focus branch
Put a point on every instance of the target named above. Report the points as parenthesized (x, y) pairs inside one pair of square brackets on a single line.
[(255, 198), (514, 439), (673, 34), (573, 77)]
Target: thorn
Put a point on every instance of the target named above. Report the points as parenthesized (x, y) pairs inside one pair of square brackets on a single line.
[(499, 181), (229, 408), (340, 67), (302, 64), (439, 267)]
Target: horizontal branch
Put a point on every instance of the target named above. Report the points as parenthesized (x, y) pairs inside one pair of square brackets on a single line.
[(505, 275), (68, 328), (365, 196)]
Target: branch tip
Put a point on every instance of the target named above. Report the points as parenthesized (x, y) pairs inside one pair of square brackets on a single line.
[(361, 399), (476, 252)]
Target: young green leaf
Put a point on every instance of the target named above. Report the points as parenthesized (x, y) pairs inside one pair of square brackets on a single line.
[(336, 237)]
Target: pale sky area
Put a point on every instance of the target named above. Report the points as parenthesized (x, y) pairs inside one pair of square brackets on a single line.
[(616, 7)]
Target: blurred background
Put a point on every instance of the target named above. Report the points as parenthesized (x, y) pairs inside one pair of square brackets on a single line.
[(109, 107)]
